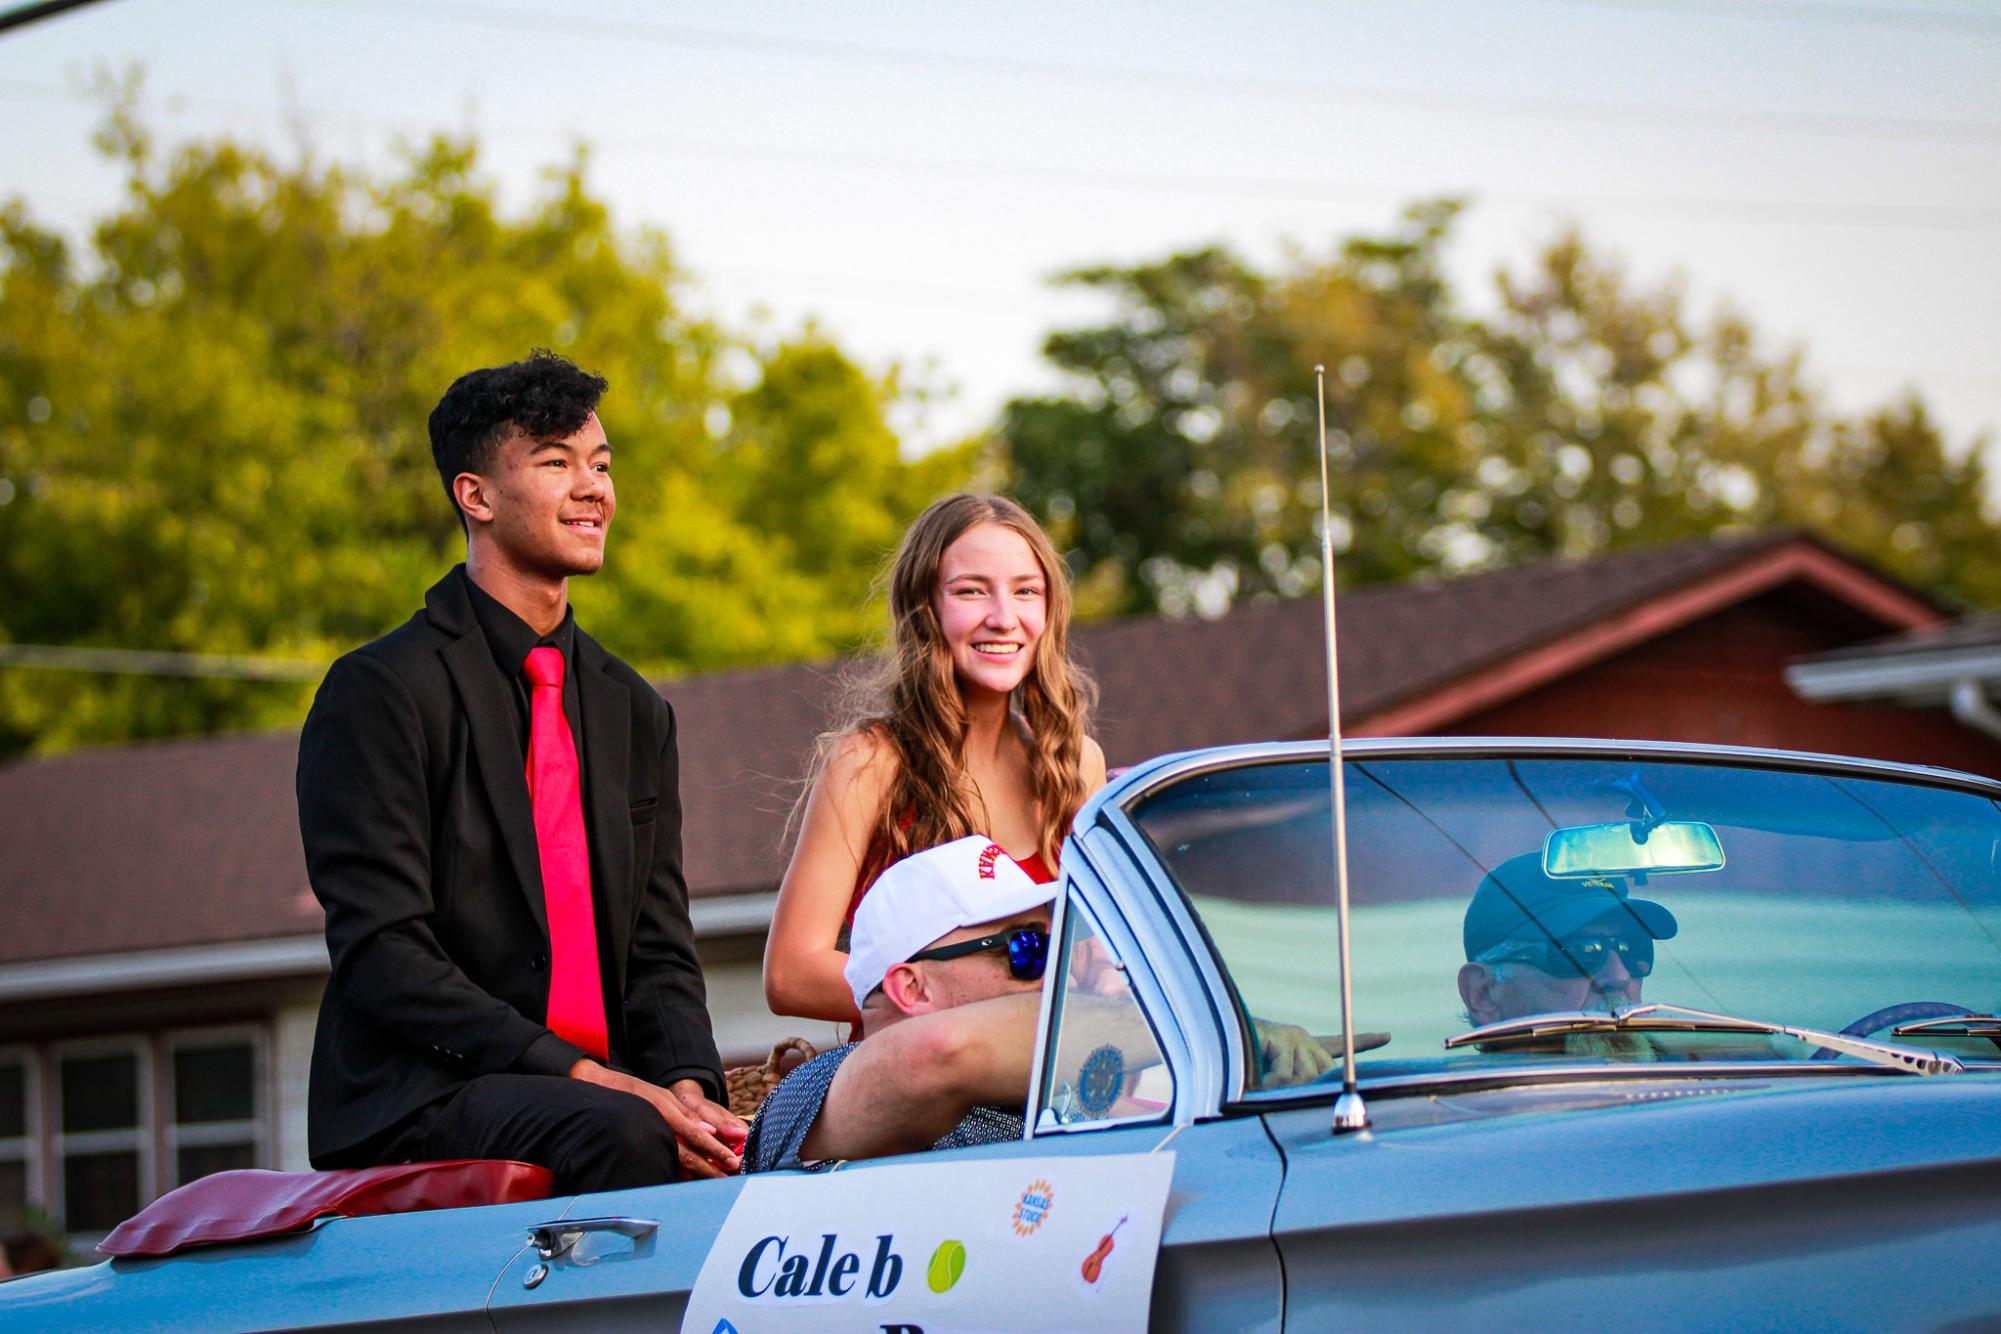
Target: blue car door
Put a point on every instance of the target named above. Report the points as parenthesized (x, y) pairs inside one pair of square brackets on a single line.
[(431, 1271), (617, 1260), (625, 1260)]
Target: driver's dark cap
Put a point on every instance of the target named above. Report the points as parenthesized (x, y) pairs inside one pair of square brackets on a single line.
[(1516, 901)]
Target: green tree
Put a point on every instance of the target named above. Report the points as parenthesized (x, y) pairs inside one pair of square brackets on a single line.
[(1181, 470), (212, 430), (1609, 418), (1889, 486), (1583, 414)]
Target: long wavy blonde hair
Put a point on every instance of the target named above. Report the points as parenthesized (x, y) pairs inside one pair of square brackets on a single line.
[(911, 701)]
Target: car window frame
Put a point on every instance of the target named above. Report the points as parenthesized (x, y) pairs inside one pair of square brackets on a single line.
[(1177, 956), (1162, 998), (1049, 1036)]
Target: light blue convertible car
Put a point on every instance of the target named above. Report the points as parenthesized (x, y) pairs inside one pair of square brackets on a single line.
[(1651, 1036)]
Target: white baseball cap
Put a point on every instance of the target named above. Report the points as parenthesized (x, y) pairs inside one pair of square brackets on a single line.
[(929, 894)]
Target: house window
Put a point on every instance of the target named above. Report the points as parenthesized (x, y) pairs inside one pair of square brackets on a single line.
[(216, 1125), (134, 1117), (17, 1134), (103, 1149)]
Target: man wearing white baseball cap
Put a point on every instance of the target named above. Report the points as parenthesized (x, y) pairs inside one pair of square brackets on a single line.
[(945, 961)]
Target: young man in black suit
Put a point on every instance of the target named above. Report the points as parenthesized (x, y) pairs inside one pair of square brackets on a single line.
[(491, 812)]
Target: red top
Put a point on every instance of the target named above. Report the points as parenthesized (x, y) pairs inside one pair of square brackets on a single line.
[(876, 863)]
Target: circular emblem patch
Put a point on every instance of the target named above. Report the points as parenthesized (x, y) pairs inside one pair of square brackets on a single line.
[(1098, 1083), (1032, 1208)]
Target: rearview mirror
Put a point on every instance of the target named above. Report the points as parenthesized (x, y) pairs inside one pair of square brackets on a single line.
[(1628, 848)]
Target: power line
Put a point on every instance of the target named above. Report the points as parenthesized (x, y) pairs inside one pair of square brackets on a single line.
[(1917, 217), (1808, 12), (22, 15), (501, 18), (144, 662)]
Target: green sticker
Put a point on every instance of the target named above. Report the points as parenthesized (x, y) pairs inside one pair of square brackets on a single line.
[(948, 1262)]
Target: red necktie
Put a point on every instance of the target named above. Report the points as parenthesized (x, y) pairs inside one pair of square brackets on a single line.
[(576, 998)]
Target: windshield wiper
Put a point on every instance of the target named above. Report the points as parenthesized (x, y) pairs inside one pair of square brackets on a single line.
[(1953, 1026), (1663, 1018)]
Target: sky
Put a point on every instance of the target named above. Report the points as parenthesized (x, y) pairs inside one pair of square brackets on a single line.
[(910, 177)]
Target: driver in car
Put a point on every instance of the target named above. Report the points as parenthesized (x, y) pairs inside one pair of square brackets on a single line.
[(945, 962), (1536, 944)]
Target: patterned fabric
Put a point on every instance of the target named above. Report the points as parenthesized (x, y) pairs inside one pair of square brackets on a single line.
[(788, 1114)]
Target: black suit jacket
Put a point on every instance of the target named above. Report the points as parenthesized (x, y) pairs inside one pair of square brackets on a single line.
[(420, 844)]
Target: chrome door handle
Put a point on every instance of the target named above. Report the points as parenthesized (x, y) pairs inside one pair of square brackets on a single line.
[(551, 1239)]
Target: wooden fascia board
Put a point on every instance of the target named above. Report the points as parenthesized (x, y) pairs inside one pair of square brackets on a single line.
[(1803, 562)]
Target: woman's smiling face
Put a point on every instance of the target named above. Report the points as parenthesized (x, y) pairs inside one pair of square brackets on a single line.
[(992, 600)]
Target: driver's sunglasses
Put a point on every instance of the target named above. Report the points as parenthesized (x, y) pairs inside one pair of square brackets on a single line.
[(1027, 950), (1587, 955)]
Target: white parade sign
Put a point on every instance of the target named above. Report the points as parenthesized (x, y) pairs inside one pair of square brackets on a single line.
[(1022, 1245)]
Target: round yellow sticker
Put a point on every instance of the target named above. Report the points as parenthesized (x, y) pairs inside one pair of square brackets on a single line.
[(948, 1262)]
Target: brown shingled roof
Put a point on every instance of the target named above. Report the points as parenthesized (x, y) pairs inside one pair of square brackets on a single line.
[(1256, 674), (187, 842), (195, 841), (745, 739), (1977, 630)]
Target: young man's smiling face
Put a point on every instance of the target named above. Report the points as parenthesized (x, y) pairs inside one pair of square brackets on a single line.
[(548, 502)]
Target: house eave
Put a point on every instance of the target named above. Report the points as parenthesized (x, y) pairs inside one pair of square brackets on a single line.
[(148, 970), (732, 914), (277, 958), (1923, 679), (1440, 706)]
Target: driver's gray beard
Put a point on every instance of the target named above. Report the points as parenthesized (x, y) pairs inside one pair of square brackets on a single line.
[(1610, 1046), (1610, 1001)]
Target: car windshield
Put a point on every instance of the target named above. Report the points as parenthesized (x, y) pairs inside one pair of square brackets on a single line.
[(1487, 889)]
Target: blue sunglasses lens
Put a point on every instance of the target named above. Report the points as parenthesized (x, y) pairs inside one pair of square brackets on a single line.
[(1027, 954)]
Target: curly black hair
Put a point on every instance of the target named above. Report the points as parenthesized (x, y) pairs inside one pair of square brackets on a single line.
[(545, 395)]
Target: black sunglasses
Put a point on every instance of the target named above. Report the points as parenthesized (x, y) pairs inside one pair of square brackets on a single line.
[(1027, 950), (1586, 955)]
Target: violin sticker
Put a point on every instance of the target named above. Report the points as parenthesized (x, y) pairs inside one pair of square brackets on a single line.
[(1094, 1263)]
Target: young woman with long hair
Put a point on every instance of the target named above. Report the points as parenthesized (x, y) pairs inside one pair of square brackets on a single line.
[(974, 724)]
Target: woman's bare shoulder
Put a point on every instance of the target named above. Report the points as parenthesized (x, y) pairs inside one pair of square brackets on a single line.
[(862, 757), (1093, 764)]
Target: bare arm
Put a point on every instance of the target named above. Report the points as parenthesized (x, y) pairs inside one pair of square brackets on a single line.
[(909, 1084), (802, 967), (1093, 765), (906, 1087)]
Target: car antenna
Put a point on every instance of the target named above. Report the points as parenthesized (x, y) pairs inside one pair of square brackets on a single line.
[(1350, 1113)]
